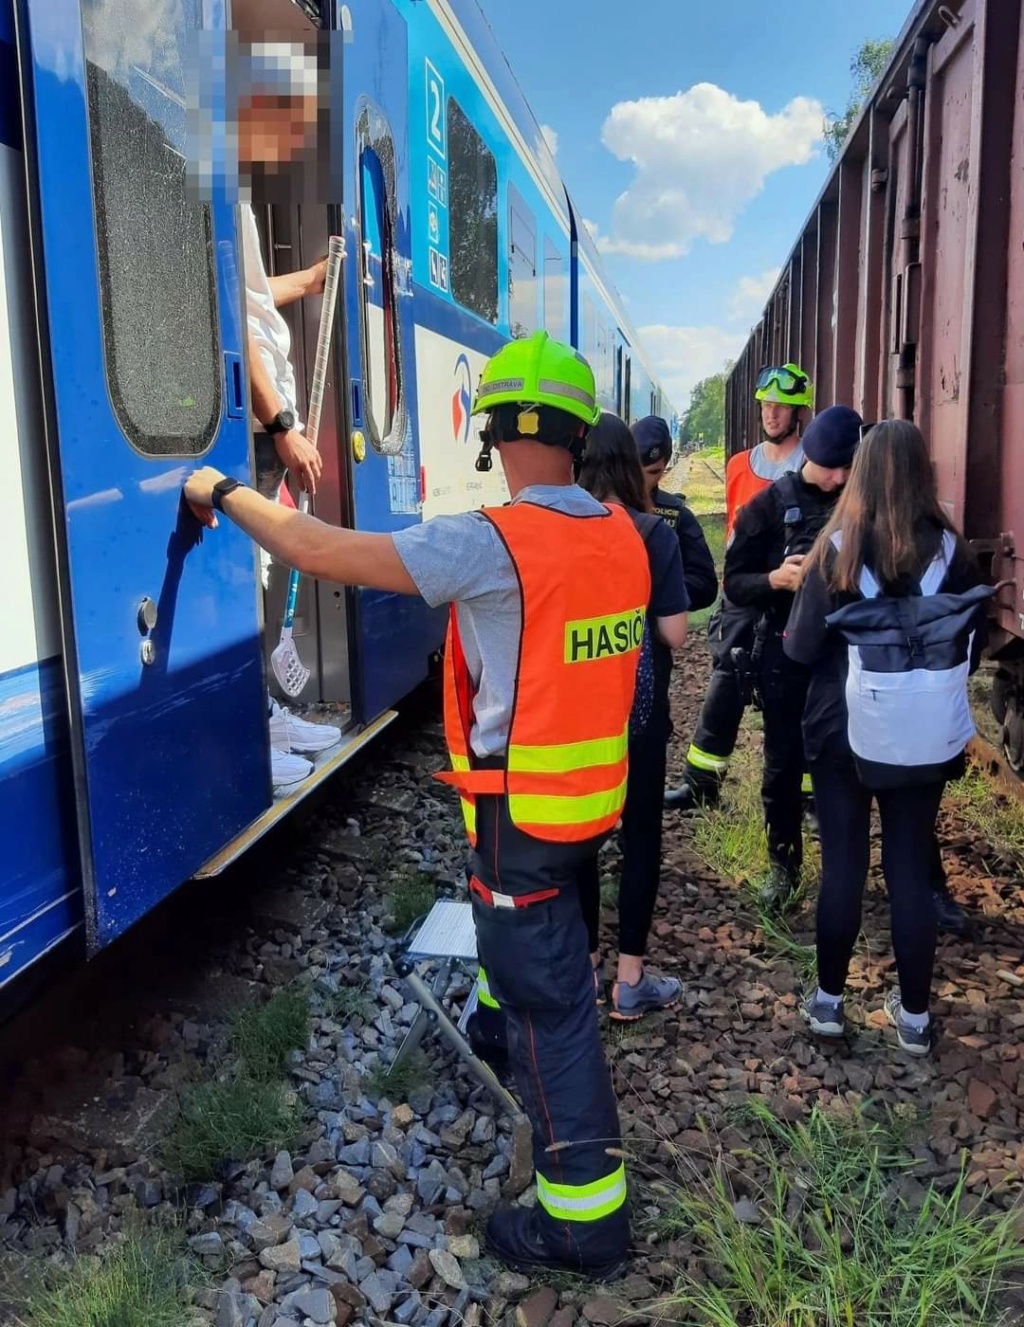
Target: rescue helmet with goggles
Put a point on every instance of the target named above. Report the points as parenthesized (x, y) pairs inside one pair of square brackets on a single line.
[(788, 385), (539, 390)]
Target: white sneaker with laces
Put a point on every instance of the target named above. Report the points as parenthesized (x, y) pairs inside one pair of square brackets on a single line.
[(290, 733), (286, 769)]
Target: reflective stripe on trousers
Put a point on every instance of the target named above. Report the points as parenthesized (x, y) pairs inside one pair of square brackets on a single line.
[(705, 760), (583, 1202), (483, 991)]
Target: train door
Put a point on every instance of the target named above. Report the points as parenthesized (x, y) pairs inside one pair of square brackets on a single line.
[(141, 322), (395, 633)]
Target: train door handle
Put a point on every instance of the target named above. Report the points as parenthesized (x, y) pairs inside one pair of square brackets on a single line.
[(234, 376)]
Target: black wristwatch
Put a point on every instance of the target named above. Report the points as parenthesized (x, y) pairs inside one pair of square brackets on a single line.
[(222, 488), (283, 422)]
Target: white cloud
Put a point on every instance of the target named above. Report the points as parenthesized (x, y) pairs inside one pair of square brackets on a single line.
[(683, 356), (701, 157), (590, 227), (750, 295), (550, 137)]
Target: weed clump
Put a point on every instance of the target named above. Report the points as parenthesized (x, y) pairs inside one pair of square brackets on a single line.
[(839, 1234), (249, 1110), (145, 1280), (264, 1034)]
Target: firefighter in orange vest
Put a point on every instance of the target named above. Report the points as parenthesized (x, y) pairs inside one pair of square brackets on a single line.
[(547, 600), (784, 395)]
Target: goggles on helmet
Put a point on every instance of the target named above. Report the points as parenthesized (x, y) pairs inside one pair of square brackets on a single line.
[(788, 383)]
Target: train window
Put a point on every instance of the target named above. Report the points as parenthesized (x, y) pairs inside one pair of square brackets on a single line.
[(472, 216), (522, 267), (555, 292), (154, 244), (381, 323)]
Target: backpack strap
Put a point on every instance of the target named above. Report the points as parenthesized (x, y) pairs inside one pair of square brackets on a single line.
[(868, 586), (792, 512), (931, 581), (646, 523), (936, 573)]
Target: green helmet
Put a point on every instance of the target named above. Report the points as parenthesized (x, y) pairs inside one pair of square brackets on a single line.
[(538, 371), (788, 385)]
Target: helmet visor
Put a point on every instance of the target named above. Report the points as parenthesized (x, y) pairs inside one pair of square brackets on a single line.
[(787, 382)]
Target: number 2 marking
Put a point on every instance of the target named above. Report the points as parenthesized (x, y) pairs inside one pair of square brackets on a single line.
[(435, 111), (435, 119)]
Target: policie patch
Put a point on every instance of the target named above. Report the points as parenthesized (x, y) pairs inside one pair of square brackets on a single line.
[(603, 637)]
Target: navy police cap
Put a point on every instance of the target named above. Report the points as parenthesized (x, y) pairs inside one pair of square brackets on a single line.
[(653, 439)]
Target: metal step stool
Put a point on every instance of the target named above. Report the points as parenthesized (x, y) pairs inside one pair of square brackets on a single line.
[(444, 938)]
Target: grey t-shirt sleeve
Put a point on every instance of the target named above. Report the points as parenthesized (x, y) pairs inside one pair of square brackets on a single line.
[(455, 559)]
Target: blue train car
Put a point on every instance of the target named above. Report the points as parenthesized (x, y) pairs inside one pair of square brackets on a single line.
[(134, 743)]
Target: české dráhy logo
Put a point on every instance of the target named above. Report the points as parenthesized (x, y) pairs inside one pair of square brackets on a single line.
[(462, 400)]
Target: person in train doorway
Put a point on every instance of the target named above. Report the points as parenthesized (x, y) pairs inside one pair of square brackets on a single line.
[(548, 599), (773, 534), (654, 443), (785, 396), (276, 112)]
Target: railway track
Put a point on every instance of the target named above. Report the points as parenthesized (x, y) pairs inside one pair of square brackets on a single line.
[(97, 1071)]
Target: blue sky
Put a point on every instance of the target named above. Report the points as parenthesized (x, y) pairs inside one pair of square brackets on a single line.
[(703, 121)]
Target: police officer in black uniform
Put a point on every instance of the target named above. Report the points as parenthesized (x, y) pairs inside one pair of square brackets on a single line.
[(654, 443), (773, 534)]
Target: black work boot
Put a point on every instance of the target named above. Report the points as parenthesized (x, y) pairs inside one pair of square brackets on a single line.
[(949, 915), (775, 891), (515, 1236), (699, 791)]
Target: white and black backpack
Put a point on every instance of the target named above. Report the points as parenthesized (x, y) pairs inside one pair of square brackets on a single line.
[(906, 689)]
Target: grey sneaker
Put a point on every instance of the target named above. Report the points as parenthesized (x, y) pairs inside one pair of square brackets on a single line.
[(910, 1039), (824, 1018), (631, 1002)]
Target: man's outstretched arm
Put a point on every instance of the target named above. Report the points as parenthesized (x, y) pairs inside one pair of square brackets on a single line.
[(347, 557)]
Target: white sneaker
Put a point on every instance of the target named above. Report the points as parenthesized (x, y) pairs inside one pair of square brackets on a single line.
[(290, 733), (286, 769)]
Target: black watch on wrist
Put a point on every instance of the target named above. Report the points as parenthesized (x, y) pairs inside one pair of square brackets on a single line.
[(283, 422), (222, 488)]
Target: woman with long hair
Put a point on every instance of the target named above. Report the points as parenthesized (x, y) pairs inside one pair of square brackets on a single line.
[(888, 523), (611, 471)]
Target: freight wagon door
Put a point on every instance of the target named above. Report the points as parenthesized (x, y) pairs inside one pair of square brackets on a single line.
[(142, 305), (395, 633)]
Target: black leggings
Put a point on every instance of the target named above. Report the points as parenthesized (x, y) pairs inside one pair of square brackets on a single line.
[(640, 843), (909, 852)]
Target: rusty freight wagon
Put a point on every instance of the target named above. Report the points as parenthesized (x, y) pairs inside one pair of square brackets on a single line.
[(904, 293)]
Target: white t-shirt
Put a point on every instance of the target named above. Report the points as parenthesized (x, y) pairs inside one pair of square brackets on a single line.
[(268, 329)]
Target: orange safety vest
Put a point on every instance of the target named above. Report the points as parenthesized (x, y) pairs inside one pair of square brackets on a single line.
[(584, 584), (741, 484)]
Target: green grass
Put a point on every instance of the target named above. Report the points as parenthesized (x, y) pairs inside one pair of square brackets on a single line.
[(249, 1110), (731, 837), (410, 894), (396, 1084), (146, 1280), (230, 1119), (713, 526), (347, 1002), (997, 819), (843, 1237), (731, 840), (610, 890), (264, 1034)]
